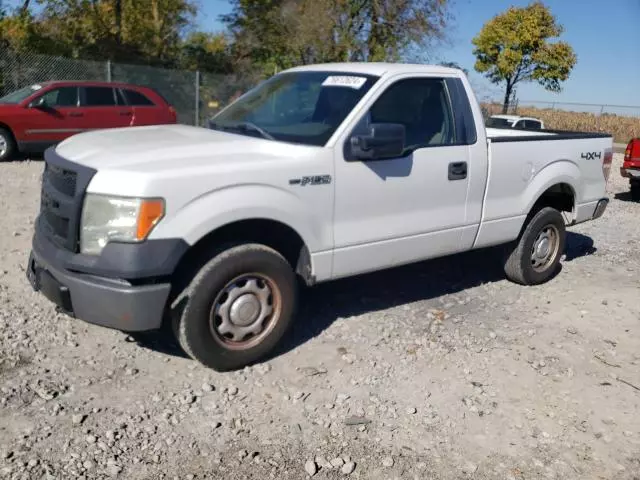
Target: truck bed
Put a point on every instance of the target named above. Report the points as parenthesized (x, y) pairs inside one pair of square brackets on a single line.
[(520, 135), (519, 171)]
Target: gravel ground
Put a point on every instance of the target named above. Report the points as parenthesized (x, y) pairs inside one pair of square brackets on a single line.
[(437, 370)]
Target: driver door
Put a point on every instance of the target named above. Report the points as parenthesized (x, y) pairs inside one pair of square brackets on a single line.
[(400, 210), (54, 116)]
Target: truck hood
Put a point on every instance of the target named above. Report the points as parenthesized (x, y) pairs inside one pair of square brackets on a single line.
[(162, 147)]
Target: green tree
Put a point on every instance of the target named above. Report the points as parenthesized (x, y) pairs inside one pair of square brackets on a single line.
[(206, 51), (3, 41), (276, 34), (139, 31), (394, 26), (16, 29), (515, 47)]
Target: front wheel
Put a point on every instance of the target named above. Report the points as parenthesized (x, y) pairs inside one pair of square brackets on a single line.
[(7, 145), (536, 254), (237, 308)]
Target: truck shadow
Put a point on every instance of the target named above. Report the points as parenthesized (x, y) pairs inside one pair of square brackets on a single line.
[(577, 246), (625, 197), (322, 305)]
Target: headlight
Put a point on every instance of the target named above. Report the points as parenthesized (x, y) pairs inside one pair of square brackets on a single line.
[(106, 218)]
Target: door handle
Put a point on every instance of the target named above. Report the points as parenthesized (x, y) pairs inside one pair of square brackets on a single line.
[(457, 170), (125, 114), (76, 114)]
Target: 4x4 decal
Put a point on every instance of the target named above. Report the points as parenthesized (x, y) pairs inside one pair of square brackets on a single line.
[(591, 155)]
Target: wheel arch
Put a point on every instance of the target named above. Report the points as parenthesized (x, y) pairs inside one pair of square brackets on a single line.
[(556, 186), (8, 128), (561, 196), (266, 231)]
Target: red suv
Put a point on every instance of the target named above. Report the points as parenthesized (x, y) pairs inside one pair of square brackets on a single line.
[(38, 116), (631, 167)]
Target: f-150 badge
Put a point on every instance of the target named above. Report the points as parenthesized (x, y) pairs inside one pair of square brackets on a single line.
[(311, 180)]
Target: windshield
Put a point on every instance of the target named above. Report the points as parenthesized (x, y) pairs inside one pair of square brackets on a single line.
[(493, 122), (20, 95), (298, 107)]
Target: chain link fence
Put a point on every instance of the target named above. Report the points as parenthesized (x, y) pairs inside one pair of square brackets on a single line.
[(595, 109), (622, 121), (196, 96)]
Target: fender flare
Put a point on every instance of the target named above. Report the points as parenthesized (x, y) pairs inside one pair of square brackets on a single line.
[(556, 173)]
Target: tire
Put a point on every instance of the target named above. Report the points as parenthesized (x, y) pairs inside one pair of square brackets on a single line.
[(228, 300), (8, 145), (635, 192), (521, 266)]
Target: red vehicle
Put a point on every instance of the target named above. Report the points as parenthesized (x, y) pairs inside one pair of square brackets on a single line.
[(36, 117), (631, 167)]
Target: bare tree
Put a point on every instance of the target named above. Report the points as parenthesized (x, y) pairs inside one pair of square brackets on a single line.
[(117, 10), (25, 7)]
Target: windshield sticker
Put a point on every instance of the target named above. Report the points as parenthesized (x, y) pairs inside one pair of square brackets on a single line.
[(344, 81)]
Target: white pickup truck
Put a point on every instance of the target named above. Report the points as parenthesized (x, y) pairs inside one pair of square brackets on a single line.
[(514, 121), (320, 172)]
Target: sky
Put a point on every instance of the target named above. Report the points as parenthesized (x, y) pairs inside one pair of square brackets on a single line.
[(604, 34)]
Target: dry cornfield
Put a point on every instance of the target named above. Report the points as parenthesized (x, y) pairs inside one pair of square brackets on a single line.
[(621, 127)]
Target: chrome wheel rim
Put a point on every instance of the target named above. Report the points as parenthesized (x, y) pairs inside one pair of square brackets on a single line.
[(4, 146), (245, 311), (545, 248)]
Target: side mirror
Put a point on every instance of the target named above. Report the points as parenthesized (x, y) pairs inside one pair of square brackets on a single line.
[(38, 103), (382, 141)]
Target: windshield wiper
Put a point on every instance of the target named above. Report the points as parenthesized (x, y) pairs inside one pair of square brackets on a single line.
[(242, 127)]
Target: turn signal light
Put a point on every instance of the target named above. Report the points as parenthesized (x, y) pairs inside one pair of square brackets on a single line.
[(151, 212)]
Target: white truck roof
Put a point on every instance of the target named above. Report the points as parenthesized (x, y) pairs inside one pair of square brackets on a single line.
[(514, 118), (376, 68), (511, 118)]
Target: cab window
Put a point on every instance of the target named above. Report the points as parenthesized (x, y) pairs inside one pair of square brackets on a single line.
[(59, 97)]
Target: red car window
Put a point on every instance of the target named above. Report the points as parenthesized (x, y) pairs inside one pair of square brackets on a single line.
[(61, 97), (99, 97), (137, 99)]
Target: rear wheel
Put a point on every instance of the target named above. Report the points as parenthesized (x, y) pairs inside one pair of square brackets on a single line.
[(635, 190), (237, 308), (535, 256), (7, 145)]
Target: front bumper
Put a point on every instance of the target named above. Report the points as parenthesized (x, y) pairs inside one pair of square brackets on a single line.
[(102, 301)]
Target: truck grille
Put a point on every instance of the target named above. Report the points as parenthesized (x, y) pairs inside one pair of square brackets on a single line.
[(63, 186), (61, 179)]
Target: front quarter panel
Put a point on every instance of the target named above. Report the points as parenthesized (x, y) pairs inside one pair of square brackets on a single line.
[(202, 200), (242, 202), (15, 117)]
